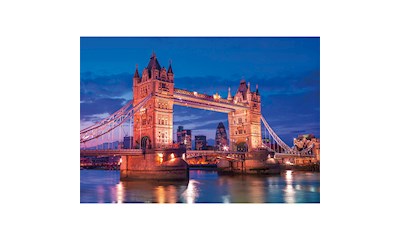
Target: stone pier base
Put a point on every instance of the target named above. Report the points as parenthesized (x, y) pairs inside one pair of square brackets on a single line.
[(165, 164), (254, 163)]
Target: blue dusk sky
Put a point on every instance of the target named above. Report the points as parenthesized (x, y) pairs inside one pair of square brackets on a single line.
[(287, 71)]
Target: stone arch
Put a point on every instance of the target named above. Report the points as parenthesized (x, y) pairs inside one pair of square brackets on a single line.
[(242, 147), (145, 142)]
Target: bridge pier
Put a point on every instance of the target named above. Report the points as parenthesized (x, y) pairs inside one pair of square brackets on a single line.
[(255, 162), (166, 164)]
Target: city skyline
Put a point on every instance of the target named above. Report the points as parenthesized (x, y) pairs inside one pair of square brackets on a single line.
[(286, 71)]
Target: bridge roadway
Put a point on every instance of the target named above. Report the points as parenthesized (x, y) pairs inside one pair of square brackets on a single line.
[(110, 152), (189, 153), (131, 152)]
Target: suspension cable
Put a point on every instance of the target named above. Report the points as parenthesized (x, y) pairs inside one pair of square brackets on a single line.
[(275, 136), (100, 130)]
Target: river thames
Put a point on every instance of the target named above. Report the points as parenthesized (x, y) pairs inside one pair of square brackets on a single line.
[(203, 186)]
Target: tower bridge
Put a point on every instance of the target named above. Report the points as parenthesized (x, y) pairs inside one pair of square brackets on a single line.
[(151, 115)]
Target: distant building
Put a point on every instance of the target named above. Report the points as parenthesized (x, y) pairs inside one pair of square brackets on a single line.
[(184, 137), (221, 138), (200, 142), (128, 143), (209, 147)]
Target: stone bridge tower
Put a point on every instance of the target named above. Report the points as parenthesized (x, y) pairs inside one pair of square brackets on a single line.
[(245, 125), (153, 124)]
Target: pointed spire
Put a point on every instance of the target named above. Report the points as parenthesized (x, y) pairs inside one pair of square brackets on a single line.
[(257, 93), (229, 94), (248, 87), (170, 67), (153, 63), (136, 72)]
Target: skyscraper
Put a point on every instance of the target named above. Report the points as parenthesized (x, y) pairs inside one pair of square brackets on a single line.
[(184, 137), (221, 138), (200, 142)]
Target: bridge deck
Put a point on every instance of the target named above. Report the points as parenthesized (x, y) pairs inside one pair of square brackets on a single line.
[(203, 101), (111, 152)]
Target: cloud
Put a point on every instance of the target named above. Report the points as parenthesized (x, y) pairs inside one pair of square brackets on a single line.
[(91, 110), (93, 86)]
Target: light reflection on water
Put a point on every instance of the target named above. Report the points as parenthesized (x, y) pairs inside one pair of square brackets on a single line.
[(191, 192), (98, 186), (289, 191)]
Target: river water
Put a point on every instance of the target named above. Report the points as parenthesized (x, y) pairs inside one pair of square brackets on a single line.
[(203, 186)]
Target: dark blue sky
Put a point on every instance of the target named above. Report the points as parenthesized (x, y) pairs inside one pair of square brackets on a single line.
[(287, 71)]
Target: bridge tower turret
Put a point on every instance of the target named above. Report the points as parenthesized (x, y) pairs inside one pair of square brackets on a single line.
[(245, 125), (153, 123)]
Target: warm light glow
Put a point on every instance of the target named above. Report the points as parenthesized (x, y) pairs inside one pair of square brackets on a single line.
[(289, 190), (172, 157), (289, 174), (184, 156), (225, 148), (195, 93), (160, 157), (120, 161), (120, 193), (160, 193)]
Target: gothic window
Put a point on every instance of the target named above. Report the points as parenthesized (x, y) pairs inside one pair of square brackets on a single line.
[(240, 120), (162, 122), (240, 132), (244, 131)]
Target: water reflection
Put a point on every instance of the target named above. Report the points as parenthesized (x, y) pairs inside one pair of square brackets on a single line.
[(203, 187), (100, 193), (148, 191), (120, 193), (191, 192), (289, 190)]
